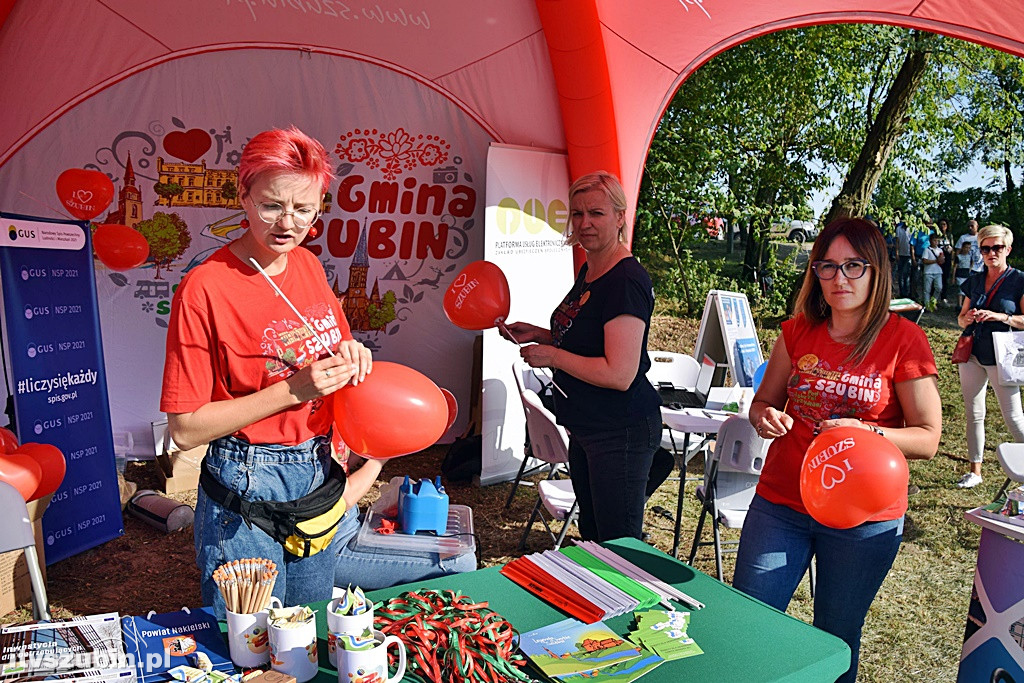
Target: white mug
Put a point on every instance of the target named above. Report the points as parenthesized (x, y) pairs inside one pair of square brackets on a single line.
[(337, 624), (248, 640), (355, 666), (293, 650)]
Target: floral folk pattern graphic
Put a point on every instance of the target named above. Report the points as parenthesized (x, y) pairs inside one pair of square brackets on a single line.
[(394, 152)]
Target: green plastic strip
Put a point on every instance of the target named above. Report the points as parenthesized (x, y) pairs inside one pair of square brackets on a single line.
[(646, 596)]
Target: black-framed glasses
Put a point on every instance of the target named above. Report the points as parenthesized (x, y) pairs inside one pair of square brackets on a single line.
[(272, 212), (994, 248), (853, 269)]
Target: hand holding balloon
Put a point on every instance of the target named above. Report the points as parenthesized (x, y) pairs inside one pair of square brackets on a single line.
[(539, 355)]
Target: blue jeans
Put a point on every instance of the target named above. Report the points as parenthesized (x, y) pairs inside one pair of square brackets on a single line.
[(776, 548), (262, 472), (371, 568), (609, 475)]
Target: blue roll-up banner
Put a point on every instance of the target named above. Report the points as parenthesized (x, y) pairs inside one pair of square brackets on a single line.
[(57, 375)]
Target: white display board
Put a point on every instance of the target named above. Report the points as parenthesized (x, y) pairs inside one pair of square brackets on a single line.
[(525, 217), (728, 335)]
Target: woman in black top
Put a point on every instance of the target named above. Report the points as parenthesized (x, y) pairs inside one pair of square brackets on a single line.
[(597, 346), (989, 308)]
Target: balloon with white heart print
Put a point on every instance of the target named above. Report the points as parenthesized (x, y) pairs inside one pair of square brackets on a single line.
[(478, 298), (84, 193), (850, 475)]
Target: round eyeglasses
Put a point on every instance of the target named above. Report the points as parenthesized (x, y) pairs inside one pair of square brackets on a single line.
[(271, 213), (853, 269)]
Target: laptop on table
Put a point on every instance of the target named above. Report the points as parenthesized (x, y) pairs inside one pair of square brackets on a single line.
[(679, 397)]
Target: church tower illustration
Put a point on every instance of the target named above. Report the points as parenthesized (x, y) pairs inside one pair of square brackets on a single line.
[(355, 302), (129, 200)]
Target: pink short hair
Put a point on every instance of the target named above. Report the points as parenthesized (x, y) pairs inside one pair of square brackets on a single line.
[(283, 151)]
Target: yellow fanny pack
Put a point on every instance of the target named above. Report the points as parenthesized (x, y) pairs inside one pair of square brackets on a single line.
[(303, 526)]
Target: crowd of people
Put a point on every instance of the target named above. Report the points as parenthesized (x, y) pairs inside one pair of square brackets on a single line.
[(267, 420)]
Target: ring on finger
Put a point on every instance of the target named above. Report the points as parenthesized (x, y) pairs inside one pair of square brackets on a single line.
[(327, 373)]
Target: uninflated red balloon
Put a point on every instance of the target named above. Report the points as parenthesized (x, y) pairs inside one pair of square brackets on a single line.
[(851, 474), (84, 193), (478, 298), (394, 411), (119, 247), (8, 441), (21, 472), (453, 407), (52, 465)]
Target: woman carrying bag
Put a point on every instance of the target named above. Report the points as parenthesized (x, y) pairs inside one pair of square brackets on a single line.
[(993, 302)]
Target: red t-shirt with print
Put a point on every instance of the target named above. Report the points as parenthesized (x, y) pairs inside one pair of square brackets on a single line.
[(823, 385), (230, 335)]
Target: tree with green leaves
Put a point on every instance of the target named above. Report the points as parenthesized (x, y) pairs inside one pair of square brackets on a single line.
[(168, 238), (168, 191)]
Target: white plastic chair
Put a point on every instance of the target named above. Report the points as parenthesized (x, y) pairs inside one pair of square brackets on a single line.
[(526, 378), (16, 534), (1011, 458), (550, 443), (730, 479), (681, 371)]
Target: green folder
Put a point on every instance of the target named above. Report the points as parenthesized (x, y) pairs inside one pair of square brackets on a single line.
[(634, 589)]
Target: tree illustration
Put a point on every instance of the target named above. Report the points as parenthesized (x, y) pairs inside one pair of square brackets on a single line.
[(168, 191), (383, 313), (228, 190), (168, 238)]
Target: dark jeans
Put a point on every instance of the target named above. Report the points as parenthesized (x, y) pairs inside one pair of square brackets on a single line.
[(776, 548), (609, 475), (903, 275)]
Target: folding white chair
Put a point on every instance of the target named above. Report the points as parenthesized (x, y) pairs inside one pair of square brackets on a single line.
[(730, 479), (550, 443), (1011, 458), (680, 370), (16, 534), (526, 378)]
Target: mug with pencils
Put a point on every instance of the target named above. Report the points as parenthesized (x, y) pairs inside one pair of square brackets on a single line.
[(248, 638)]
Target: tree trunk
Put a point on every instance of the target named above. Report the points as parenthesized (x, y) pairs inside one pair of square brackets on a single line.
[(860, 183), (1011, 194)]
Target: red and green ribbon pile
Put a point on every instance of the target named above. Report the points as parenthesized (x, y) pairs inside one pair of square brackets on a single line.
[(450, 638)]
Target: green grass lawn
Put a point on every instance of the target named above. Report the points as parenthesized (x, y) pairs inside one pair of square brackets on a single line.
[(915, 628)]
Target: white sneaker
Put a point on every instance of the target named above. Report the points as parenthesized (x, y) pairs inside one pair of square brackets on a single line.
[(969, 480)]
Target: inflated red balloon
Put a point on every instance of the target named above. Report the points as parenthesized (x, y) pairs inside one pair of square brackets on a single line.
[(8, 441), (119, 247), (478, 298), (453, 407), (394, 411), (52, 464), (85, 194), (851, 474), (21, 472)]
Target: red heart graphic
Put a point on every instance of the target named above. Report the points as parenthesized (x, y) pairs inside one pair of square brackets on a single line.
[(187, 146)]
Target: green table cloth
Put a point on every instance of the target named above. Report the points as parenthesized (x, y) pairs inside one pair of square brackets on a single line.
[(742, 638)]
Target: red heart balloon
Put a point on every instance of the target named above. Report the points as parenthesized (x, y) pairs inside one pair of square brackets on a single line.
[(394, 411), (453, 408), (850, 474), (188, 145), (8, 441), (478, 298), (119, 247), (21, 472), (51, 463), (85, 194)]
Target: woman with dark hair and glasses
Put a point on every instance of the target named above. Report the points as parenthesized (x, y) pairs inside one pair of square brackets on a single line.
[(993, 300), (843, 360)]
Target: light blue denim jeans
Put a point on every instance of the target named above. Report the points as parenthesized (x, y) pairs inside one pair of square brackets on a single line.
[(776, 548), (372, 567), (262, 472)]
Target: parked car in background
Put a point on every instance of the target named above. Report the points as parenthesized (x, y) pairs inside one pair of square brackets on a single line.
[(795, 230)]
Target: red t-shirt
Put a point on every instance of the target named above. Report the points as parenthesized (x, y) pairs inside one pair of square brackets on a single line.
[(823, 386), (230, 335)]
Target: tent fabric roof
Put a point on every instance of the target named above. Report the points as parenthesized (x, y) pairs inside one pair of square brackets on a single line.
[(588, 76)]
